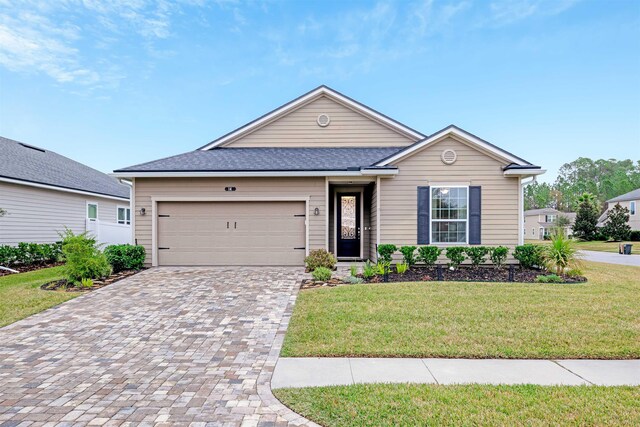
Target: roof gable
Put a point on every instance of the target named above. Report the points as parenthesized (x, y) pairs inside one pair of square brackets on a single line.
[(349, 114), (463, 136)]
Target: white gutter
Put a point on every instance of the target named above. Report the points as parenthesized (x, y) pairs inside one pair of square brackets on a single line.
[(524, 172), (67, 190), (363, 172)]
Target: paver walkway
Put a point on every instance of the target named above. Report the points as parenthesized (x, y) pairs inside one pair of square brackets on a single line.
[(311, 372), (172, 346), (612, 258)]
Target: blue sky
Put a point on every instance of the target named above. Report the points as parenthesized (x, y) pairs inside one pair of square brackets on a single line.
[(116, 84)]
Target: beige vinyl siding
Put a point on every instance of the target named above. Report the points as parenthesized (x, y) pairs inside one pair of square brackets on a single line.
[(398, 197), (38, 214), (146, 188), (299, 128), (374, 224)]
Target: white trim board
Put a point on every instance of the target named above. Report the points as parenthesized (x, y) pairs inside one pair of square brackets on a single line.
[(156, 200), (66, 190), (306, 98), (259, 174), (451, 130)]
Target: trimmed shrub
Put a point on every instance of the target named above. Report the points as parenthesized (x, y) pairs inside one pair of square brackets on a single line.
[(386, 252), (477, 254), (83, 258), (408, 254), (320, 258), (125, 257), (429, 254), (529, 255), (28, 254), (321, 274), (455, 255), (499, 255)]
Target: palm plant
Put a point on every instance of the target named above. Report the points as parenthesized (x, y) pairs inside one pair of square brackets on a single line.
[(560, 254)]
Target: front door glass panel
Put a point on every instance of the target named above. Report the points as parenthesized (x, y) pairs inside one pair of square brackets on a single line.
[(348, 215)]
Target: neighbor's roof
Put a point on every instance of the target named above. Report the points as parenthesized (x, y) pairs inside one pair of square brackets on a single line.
[(258, 159), (551, 211), (23, 162), (631, 195)]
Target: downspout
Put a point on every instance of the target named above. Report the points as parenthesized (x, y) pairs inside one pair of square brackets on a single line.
[(521, 208)]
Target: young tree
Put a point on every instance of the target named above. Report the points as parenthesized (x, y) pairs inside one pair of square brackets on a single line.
[(617, 226), (586, 218)]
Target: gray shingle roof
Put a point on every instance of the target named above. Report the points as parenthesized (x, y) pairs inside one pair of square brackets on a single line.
[(631, 195), (267, 159), (27, 163)]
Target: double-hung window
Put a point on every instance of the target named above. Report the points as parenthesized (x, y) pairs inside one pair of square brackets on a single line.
[(449, 214), (92, 211), (124, 215), (632, 207)]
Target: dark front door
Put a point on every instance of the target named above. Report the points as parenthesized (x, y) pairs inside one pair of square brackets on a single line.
[(348, 229)]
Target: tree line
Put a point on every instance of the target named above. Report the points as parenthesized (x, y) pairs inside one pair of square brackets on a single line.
[(603, 178)]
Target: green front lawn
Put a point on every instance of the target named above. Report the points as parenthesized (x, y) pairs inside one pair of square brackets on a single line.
[(414, 405), (597, 319), (599, 245), (21, 296)]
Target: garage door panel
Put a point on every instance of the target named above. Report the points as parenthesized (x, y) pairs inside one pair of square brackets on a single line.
[(231, 233)]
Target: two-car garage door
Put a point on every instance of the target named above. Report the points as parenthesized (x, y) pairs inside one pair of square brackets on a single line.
[(231, 233)]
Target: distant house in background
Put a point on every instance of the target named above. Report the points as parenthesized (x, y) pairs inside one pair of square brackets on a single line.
[(43, 192), (539, 223), (631, 201)]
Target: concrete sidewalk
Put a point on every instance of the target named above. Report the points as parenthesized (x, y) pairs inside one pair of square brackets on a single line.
[(311, 371)]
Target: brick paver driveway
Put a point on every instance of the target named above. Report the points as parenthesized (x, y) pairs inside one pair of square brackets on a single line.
[(169, 345)]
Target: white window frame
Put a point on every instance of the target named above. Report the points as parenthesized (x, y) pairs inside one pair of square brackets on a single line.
[(632, 207), (431, 220), (552, 216), (126, 208), (97, 211)]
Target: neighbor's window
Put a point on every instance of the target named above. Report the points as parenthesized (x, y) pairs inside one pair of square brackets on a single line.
[(124, 216), (549, 218), (632, 208), (449, 214), (92, 211)]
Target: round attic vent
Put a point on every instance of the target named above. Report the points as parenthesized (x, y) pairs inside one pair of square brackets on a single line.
[(448, 157), (323, 120)]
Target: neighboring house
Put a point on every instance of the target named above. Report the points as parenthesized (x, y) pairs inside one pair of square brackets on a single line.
[(631, 201), (325, 172), (43, 192), (539, 223)]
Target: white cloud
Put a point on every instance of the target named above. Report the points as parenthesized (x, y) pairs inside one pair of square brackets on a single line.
[(505, 12)]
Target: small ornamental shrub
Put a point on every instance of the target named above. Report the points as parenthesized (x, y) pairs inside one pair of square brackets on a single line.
[(455, 255), (28, 254), (498, 255), (574, 272), (549, 278), (381, 268), (125, 257), (84, 260), (321, 274), (402, 268), (86, 283), (408, 255), (386, 252), (477, 254), (320, 258), (368, 270), (353, 270), (354, 280), (560, 254), (530, 255), (429, 254)]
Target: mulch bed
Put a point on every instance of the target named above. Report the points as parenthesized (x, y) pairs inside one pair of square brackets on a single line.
[(63, 285), (24, 269), (462, 274)]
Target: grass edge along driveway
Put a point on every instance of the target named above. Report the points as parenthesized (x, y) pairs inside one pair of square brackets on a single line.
[(594, 320), (21, 296), (423, 404)]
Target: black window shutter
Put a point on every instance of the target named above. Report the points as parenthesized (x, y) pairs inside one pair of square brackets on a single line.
[(475, 214), (424, 201)]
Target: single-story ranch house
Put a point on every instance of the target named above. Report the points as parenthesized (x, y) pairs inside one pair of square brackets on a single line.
[(42, 193), (325, 171)]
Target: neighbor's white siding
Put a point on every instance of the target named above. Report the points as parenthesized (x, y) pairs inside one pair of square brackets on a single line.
[(38, 215)]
